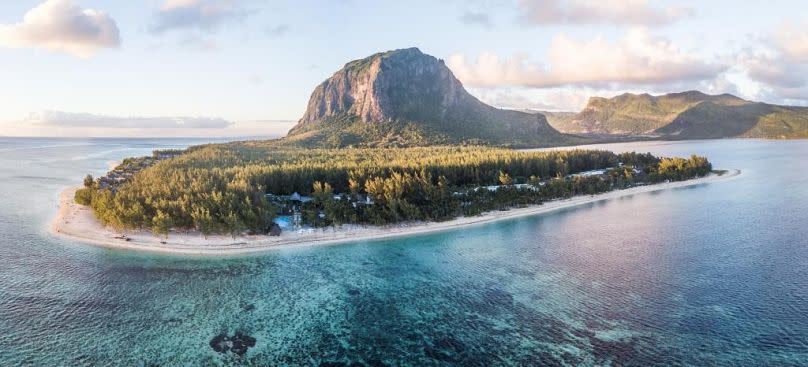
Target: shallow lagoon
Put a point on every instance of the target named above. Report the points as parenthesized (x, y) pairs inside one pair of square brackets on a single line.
[(715, 274)]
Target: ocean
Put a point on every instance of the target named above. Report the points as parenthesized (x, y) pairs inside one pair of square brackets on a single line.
[(713, 274)]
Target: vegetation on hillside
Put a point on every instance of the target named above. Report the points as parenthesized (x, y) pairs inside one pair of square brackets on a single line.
[(348, 131), (686, 115), (223, 188), (752, 120)]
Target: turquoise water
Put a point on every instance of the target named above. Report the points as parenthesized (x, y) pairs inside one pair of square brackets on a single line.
[(715, 274)]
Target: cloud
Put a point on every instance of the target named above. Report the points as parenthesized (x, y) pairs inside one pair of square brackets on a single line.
[(780, 80), (65, 124), (720, 85), (278, 30), (199, 43), (774, 70), (510, 99), (780, 64), (206, 15), (533, 99), (792, 41), (637, 59), (87, 120), (618, 12), (475, 18), (60, 25)]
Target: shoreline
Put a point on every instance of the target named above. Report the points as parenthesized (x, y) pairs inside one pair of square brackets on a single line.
[(76, 222)]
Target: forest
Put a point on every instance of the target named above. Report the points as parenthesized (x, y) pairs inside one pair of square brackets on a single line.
[(223, 188)]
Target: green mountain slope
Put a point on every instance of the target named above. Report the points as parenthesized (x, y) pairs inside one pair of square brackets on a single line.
[(638, 113), (753, 120), (686, 115)]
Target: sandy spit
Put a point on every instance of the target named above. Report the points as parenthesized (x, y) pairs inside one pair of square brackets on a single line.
[(77, 222)]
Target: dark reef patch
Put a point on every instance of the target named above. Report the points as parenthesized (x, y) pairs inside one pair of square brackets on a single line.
[(498, 297), (238, 343), (781, 341), (353, 292), (446, 349)]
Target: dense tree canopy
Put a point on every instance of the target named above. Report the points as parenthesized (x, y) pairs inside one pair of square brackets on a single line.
[(222, 188)]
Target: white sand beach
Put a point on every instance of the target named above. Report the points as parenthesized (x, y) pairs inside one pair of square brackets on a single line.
[(77, 222)]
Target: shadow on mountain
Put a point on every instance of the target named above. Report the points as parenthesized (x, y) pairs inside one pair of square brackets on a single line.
[(709, 120)]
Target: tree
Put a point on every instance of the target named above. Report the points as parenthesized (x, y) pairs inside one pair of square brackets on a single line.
[(233, 224), (203, 221), (339, 211), (562, 168), (322, 191), (83, 196), (505, 179), (265, 214), (88, 181), (161, 224), (354, 186), (131, 214)]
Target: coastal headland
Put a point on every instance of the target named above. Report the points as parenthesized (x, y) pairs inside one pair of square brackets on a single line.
[(76, 222)]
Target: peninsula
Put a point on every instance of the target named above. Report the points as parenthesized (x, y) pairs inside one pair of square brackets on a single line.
[(234, 198), (77, 222)]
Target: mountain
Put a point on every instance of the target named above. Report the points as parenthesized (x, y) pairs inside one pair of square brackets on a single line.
[(556, 118), (404, 98), (686, 115), (709, 120)]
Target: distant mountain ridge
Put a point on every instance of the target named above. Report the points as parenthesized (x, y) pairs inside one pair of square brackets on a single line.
[(685, 115), (405, 97)]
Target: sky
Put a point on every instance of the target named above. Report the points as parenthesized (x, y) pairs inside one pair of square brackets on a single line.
[(248, 67)]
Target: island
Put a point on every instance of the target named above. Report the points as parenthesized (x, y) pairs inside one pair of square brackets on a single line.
[(249, 197)]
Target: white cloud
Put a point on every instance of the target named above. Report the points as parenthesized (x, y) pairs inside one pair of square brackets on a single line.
[(85, 120), (553, 99), (510, 98), (57, 123), (774, 70), (780, 64), (792, 41), (62, 26), (199, 43), (623, 12), (637, 59), (204, 15), (476, 18)]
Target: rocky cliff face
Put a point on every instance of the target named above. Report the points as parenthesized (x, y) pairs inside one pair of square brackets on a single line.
[(385, 86), (409, 90)]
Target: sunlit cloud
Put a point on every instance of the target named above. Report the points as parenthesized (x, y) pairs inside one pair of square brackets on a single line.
[(68, 119), (792, 40), (554, 99), (57, 123), (638, 59), (60, 25), (780, 64), (619, 12)]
